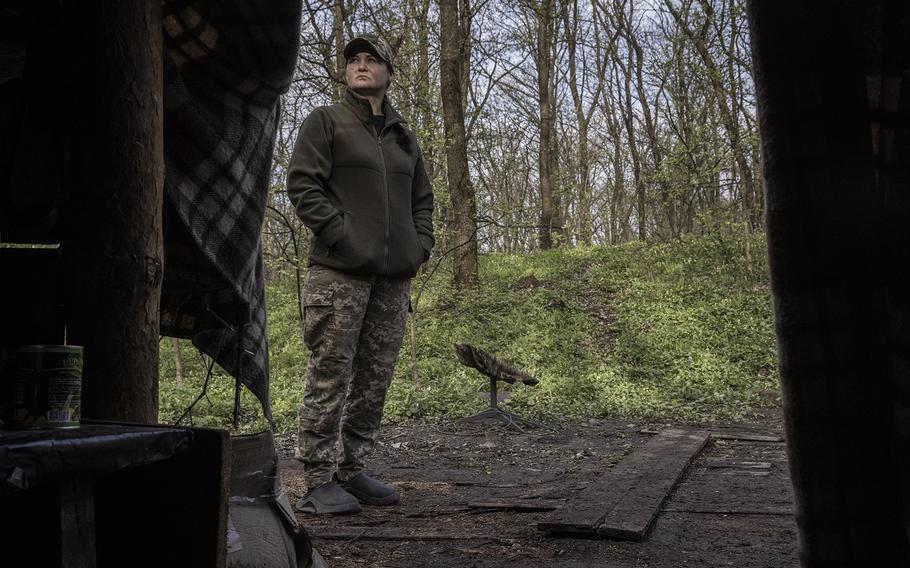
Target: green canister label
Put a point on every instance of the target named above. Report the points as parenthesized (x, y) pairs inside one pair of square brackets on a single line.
[(48, 390)]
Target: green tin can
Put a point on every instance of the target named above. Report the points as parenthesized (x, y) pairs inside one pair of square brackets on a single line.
[(48, 388)]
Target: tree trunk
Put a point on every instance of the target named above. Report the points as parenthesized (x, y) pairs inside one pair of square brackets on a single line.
[(338, 35), (550, 215), (605, 56), (650, 127), (461, 193), (424, 94), (582, 118), (464, 22), (619, 184), (178, 361), (628, 114), (115, 178)]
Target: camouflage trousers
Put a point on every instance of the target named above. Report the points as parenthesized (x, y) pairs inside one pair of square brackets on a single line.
[(353, 327)]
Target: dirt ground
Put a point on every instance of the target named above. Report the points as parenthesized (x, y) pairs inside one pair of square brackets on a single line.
[(733, 507)]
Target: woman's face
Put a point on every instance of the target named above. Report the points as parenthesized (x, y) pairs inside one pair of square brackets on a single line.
[(366, 75)]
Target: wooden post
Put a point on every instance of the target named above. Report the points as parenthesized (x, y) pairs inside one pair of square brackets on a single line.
[(113, 180), (837, 217)]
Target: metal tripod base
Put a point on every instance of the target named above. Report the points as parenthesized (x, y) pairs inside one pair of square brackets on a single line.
[(494, 413)]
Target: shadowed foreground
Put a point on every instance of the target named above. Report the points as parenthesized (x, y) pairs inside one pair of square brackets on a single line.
[(732, 507)]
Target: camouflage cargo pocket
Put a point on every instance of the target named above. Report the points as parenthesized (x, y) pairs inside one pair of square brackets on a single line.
[(318, 314)]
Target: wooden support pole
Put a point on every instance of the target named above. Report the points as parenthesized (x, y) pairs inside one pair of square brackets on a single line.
[(833, 117), (113, 181), (77, 523)]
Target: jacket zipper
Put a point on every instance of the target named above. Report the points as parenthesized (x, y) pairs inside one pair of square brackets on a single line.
[(388, 217)]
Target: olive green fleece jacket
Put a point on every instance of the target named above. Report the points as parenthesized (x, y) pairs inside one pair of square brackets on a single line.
[(367, 199)]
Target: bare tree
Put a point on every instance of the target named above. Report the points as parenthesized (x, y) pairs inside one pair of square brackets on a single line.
[(716, 77), (577, 84), (551, 228), (453, 40)]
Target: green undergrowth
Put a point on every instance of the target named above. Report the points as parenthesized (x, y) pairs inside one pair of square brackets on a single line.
[(678, 331)]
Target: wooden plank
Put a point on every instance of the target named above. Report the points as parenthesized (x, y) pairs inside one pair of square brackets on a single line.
[(715, 463), (745, 437), (736, 467), (741, 435), (764, 510), (518, 505), (635, 489), (585, 509), (400, 534), (745, 472), (583, 513), (661, 463)]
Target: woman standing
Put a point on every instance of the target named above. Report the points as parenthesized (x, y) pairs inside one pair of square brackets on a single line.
[(358, 181)]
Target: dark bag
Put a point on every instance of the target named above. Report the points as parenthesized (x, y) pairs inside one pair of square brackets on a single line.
[(262, 529)]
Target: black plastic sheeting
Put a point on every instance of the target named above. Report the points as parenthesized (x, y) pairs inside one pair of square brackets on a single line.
[(29, 458)]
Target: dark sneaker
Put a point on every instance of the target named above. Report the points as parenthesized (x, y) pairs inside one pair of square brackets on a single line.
[(328, 499), (370, 491)]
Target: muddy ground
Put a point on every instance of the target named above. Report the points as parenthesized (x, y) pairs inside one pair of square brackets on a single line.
[(731, 508)]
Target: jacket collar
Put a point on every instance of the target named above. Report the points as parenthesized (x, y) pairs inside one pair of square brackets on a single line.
[(362, 109)]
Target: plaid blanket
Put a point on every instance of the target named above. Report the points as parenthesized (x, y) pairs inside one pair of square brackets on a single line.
[(226, 64)]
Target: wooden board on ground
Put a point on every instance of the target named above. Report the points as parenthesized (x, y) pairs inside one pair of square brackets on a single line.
[(400, 534), (745, 437), (518, 505), (624, 501), (661, 463), (761, 510), (720, 463)]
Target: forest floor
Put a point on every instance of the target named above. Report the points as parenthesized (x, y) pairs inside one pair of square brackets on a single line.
[(732, 506)]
